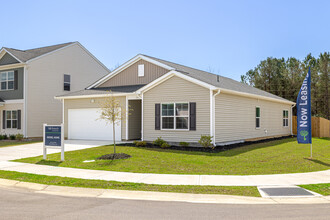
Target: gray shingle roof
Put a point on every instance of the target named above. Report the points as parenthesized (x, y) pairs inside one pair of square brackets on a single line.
[(104, 90), (25, 55), (210, 78)]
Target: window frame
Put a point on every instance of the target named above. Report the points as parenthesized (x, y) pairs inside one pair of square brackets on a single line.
[(7, 80), (285, 118), (255, 115), (174, 116), (66, 82), (11, 119)]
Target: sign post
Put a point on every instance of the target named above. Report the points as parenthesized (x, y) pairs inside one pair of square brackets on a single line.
[(53, 138)]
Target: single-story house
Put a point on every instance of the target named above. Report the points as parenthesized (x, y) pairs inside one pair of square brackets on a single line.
[(177, 103)]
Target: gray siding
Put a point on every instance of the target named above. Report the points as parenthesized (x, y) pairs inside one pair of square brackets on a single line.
[(235, 118), (129, 76), (134, 120), (7, 59), (176, 89), (17, 93)]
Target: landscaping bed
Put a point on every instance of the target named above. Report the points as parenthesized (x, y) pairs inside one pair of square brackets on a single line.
[(272, 157)]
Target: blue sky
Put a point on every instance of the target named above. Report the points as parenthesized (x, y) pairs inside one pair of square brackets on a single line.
[(225, 37)]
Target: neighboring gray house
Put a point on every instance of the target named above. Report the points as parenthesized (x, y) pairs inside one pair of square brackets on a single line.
[(31, 78), (177, 103)]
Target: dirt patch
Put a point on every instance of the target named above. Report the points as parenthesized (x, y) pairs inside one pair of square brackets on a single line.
[(114, 156)]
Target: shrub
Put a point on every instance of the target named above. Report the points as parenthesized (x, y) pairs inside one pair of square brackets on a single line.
[(140, 143), (1, 137), (159, 141), (19, 137), (183, 144), (12, 137), (5, 137), (206, 141), (165, 145)]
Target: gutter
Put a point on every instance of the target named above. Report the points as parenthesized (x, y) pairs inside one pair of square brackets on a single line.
[(213, 115), (292, 106)]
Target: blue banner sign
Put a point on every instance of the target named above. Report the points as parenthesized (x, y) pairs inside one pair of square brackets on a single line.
[(304, 117), (53, 136)]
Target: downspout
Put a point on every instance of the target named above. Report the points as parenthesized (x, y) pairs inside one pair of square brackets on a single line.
[(213, 114), (292, 106)]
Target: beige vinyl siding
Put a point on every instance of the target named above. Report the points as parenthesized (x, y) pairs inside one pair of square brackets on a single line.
[(129, 76), (45, 77), (176, 89), (134, 119), (87, 103), (7, 107), (235, 118)]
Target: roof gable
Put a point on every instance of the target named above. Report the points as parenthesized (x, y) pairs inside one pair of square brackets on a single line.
[(7, 59)]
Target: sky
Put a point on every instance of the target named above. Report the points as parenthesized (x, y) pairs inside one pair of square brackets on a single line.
[(224, 37)]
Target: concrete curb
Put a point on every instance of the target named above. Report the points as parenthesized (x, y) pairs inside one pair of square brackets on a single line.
[(154, 196)]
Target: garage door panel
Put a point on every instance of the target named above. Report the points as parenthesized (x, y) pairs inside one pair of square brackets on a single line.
[(85, 124)]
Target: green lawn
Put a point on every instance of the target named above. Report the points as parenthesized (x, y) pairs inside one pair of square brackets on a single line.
[(74, 182), (273, 157), (8, 144), (322, 188)]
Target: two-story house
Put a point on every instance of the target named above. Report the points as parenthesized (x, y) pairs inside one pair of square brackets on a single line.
[(29, 80)]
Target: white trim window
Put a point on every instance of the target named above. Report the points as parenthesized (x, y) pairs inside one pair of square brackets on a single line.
[(175, 116), (285, 118), (11, 119), (7, 80), (258, 117), (140, 70)]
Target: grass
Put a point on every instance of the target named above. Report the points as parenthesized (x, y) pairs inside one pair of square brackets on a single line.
[(322, 188), (14, 143), (74, 182), (273, 157)]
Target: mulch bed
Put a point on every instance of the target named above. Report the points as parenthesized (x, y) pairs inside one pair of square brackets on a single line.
[(114, 156), (208, 150)]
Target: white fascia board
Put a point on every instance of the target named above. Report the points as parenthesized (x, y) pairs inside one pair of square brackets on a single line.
[(255, 96), (170, 75), (54, 51), (92, 96), (11, 66), (11, 55), (125, 66), (14, 101)]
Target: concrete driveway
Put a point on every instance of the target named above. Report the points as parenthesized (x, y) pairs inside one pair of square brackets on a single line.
[(35, 149)]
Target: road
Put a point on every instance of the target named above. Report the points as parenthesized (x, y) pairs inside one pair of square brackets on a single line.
[(19, 204)]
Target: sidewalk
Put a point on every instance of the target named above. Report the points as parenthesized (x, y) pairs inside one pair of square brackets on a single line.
[(10, 153)]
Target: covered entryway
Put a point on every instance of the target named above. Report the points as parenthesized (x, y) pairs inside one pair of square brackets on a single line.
[(84, 124), (134, 120)]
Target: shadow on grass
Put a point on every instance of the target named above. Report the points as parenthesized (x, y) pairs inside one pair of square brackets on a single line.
[(49, 162), (228, 151), (318, 161)]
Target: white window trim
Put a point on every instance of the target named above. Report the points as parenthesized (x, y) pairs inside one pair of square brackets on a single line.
[(255, 116), (11, 123), (285, 126), (141, 70), (7, 81), (175, 116)]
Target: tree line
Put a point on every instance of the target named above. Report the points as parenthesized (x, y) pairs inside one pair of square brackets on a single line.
[(283, 77)]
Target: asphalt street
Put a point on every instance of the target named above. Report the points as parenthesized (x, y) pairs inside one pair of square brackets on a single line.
[(21, 204)]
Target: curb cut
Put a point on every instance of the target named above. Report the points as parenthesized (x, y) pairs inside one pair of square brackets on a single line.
[(154, 196)]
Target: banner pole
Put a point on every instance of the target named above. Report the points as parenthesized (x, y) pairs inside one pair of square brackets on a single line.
[(311, 151)]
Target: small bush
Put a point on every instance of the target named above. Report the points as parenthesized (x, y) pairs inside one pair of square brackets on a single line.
[(19, 137), (183, 144), (165, 145), (5, 137), (1, 137), (159, 141), (140, 143), (206, 141), (12, 137)]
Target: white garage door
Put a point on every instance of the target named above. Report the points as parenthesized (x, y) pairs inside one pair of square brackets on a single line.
[(84, 124)]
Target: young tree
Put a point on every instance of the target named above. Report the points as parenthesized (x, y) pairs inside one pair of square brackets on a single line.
[(113, 113)]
